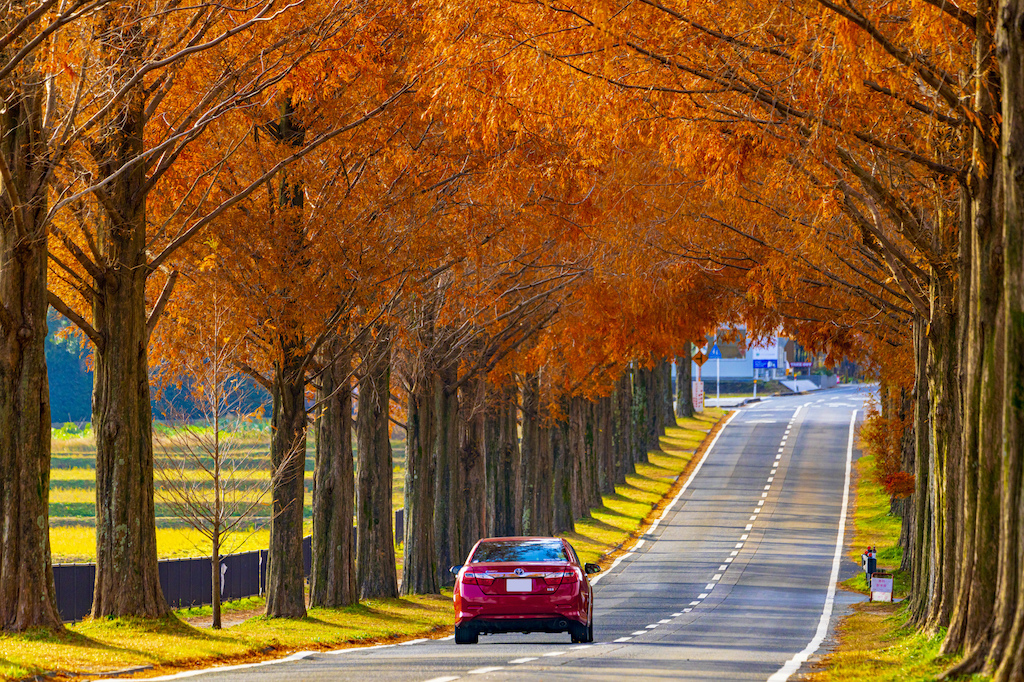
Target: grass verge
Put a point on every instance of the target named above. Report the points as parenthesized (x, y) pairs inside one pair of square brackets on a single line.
[(170, 645), (875, 526), (876, 641), (627, 512)]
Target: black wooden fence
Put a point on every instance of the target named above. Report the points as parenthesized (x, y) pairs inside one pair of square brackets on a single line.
[(185, 582)]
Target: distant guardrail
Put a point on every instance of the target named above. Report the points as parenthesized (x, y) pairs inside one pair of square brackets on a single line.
[(185, 582)]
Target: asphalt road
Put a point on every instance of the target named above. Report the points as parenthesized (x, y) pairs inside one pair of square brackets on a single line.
[(730, 585)]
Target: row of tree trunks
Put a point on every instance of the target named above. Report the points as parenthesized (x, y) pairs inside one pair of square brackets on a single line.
[(1006, 651), (968, 545), (332, 581), (982, 279), (470, 475), (27, 596)]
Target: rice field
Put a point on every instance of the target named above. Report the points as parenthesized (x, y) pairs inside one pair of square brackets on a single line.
[(73, 492)]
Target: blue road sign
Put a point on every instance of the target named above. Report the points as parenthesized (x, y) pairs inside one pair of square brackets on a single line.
[(715, 353)]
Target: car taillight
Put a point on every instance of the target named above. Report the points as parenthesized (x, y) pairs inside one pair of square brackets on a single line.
[(471, 578), (559, 577)]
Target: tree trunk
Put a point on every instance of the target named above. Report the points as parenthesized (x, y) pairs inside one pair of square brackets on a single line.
[(641, 416), (536, 457), (1006, 656), (923, 529), (908, 461), (27, 595), (684, 387), (622, 428), (593, 461), (503, 459), (420, 569), (561, 477), (127, 581), (471, 505), (576, 458), (607, 472), (946, 464), (332, 580), (215, 576), (667, 411), (375, 535), (285, 589), (657, 390), (447, 478)]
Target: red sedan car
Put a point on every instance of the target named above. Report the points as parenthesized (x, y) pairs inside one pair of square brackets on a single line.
[(523, 585)]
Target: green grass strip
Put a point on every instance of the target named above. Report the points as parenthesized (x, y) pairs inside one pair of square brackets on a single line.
[(169, 645)]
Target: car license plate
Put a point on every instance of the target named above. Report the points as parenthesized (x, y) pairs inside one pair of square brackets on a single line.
[(519, 585)]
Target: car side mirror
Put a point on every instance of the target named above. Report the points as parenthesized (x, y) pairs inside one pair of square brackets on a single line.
[(591, 568), (454, 570)]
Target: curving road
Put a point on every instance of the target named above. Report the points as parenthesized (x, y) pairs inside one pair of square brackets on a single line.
[(732, 583)]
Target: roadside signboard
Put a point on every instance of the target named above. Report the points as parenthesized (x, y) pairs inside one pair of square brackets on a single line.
[(716, 353), (801, 364), (699, 358), (767, 355), (881, 587), (697, 391)]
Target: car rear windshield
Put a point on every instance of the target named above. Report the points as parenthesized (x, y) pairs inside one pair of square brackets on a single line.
[(519, 550)]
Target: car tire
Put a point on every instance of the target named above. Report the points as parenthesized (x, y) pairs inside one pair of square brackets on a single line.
[(590, 634), (577, 632), (466, 635)]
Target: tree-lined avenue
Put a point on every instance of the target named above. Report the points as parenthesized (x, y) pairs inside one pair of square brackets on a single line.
[(731, 583)]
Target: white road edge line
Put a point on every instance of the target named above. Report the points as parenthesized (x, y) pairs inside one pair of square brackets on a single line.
[(793, 664), (675, 499), (225, 668)]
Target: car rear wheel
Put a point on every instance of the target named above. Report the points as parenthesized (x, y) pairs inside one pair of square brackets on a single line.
[(466, 635), (578, 633)]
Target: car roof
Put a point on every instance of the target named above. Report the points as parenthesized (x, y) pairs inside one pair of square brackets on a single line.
[(521, 538)]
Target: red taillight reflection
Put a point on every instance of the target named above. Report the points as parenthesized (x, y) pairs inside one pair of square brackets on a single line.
[(559, 577), (474, 578)]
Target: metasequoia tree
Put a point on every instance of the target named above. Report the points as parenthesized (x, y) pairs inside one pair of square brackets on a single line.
[(191, 70), (34, 133)]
